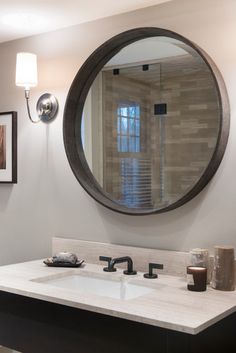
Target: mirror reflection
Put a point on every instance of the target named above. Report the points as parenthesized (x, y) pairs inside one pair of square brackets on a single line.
[(150, 123)]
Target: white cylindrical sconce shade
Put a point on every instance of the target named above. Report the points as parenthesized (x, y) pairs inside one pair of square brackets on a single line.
[(26, 70)]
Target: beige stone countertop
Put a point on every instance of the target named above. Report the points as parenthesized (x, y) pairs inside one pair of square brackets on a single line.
[(169, 305)]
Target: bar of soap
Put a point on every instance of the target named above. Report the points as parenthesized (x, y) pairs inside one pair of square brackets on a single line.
[(65, 257)]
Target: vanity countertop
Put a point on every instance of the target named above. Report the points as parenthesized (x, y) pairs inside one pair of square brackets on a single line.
[(170, 305)]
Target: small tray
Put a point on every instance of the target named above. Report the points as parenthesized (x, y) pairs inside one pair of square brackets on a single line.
[(49, 263)]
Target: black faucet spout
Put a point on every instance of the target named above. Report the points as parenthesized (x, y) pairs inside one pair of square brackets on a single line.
[(118, 260)]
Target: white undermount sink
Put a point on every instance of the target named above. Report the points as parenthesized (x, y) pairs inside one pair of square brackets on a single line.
[(118, 288)]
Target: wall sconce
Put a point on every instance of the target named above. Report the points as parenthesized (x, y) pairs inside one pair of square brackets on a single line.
[(27, 77)]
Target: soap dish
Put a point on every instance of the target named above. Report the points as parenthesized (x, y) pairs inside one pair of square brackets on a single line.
[(50, 263)]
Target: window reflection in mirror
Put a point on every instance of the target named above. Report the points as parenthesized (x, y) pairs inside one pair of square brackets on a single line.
[(150, 123)]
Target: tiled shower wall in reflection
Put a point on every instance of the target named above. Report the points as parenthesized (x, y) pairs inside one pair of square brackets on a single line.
[(175, 147)]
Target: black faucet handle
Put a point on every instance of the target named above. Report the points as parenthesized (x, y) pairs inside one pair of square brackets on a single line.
[(150, 274), (105, 258), (108, 268)]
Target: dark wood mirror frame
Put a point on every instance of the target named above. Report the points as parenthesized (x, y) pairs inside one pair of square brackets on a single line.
[(74, 109)]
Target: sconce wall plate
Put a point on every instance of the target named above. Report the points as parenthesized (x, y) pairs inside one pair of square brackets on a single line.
[(47, 107)]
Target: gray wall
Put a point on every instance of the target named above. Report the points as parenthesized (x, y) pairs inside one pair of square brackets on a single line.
[(48, 200)]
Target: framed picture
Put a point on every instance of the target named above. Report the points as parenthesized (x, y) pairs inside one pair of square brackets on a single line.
[(8, 147)]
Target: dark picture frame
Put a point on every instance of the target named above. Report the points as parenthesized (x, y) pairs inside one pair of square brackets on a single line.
[(8, 147)]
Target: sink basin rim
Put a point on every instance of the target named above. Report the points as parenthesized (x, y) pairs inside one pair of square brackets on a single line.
[(116, 286)]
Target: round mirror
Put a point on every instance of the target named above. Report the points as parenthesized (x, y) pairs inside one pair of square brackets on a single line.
[(146, 122)]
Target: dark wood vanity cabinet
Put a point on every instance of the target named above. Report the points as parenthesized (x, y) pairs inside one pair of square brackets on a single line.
[(35, 326)]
